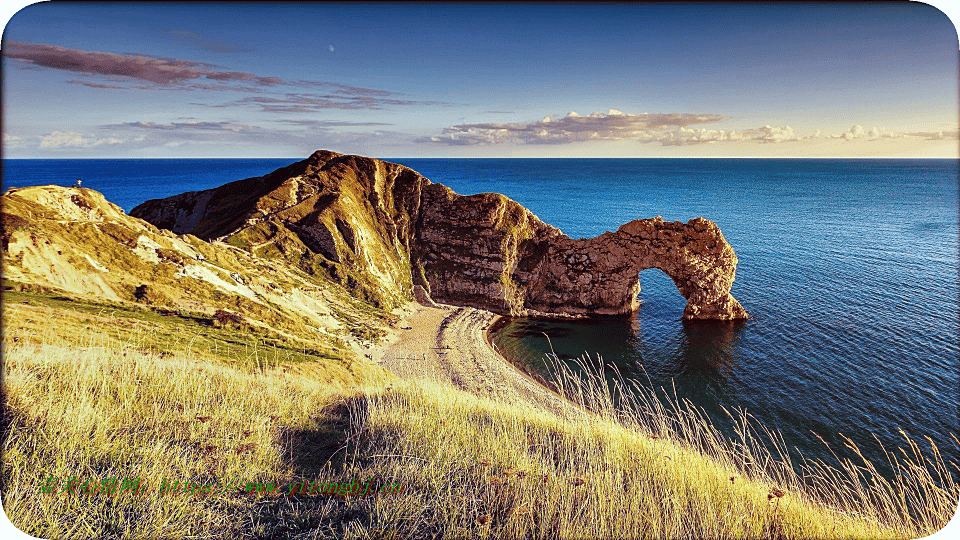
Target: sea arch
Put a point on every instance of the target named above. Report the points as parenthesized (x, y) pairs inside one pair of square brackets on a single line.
[(600, 276)]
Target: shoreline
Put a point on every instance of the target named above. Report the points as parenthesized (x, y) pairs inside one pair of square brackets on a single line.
[(451, 344)]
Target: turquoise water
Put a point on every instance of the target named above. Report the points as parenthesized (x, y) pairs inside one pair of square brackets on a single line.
[(849, 269)]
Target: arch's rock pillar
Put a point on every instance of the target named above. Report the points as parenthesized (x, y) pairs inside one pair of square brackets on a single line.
[(600, 275)]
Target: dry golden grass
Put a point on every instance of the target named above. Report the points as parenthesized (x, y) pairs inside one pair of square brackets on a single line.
[(98, 408), (480, 468)]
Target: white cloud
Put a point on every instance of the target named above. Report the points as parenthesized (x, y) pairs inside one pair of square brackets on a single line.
[(855, 132), (858, 132), (684, 136), (12, 141), (613, 125), (775, 134), (72, 139)]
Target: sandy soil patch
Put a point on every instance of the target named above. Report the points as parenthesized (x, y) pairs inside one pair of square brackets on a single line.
[(448, 344)]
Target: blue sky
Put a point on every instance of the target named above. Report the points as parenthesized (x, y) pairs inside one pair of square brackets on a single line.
[(281, 80)]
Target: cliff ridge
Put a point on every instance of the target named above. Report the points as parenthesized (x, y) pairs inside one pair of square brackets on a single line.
[(381, 228)]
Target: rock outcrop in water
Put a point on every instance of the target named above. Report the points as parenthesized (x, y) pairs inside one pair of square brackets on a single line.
[(381, 228), (599, 275)]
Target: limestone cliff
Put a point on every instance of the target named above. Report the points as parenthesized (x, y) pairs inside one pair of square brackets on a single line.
[(380, 228), (76, 242), (344, 217)]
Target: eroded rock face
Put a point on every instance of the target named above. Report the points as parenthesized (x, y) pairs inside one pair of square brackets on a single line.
[(383, 228), (488, 251), (600, 275), (347, 217)]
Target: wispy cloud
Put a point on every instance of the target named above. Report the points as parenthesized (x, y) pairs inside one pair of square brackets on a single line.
[(935, 135), (152, 69), (785, 134), (130, 71), (612, 125), (97, 85), (302, 135), (330, 123), (231, 127), (72, 139), (209, 43), (12, 141), (347, 90), (309, 103)]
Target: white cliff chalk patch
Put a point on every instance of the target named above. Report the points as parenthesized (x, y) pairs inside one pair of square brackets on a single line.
[(203, 273), (95, 264)]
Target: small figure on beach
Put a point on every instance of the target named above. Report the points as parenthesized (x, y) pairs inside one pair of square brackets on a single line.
[(77, 183)]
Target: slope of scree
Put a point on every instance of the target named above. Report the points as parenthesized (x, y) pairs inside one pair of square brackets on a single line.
[(381, 228)]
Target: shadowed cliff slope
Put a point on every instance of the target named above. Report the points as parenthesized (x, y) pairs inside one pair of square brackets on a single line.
[(380, 228)]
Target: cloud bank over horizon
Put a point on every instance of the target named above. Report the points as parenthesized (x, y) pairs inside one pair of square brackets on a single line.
[(670, 129), (612, 125)]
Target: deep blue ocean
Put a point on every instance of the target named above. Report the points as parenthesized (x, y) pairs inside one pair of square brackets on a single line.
[(849, 269)]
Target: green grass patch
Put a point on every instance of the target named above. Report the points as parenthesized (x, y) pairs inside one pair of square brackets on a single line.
[(43, 316)]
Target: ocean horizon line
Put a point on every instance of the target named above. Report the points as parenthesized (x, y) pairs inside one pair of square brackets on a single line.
[(701, 158)]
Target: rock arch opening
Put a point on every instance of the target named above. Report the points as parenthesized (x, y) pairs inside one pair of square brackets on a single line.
[(656, 291)]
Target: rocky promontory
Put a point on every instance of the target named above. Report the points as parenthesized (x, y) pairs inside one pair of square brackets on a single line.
[(381, 228)]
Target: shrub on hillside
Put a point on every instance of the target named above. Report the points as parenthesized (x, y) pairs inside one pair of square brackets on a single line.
[(223, 317)]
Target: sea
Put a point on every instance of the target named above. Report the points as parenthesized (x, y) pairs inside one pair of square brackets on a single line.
[(848, 268)]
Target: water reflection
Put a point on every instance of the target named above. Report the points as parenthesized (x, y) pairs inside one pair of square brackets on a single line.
[(690, 354), (708, 349)]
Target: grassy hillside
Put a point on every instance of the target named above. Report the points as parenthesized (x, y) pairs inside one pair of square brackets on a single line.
[(97, 407), (75, 245), (30, 318)]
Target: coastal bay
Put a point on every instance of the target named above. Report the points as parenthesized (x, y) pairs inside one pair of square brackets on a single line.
[(643, 270), (304, 276)]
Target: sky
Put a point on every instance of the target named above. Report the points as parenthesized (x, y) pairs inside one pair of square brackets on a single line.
[(480, 80)]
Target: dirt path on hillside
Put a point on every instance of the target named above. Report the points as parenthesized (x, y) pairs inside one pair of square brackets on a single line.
[(448, 344)]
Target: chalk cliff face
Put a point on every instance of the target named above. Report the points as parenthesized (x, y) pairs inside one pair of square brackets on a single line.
[(381, 228)]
